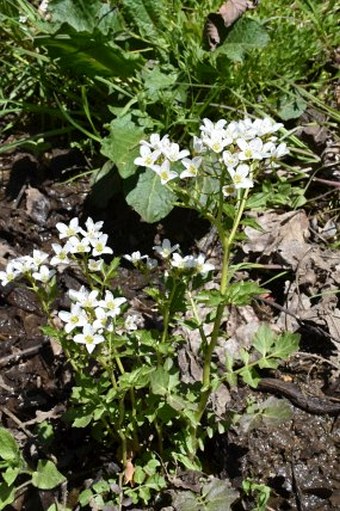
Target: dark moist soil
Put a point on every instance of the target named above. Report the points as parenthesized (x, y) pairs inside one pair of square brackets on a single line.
[(297, 458)]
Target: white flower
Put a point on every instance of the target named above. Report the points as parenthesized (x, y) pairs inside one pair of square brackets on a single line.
[(252, 150), (191, 167), (173, 152), (164, 172), (280, 151), (133, 322), (228, 190), (61, 255), (151, 264), (95, 265), (246, 129), (78, 246), (39, 258), (103, 321), (99, 246), (111, 304), (85, 298), (75, 318), (216, 142), (198, 145), (24, 264), (230, 159), (209, 128), (178, 261), (93, 229), (66, 231), (9, 274), (165, 249), (135, 257), (201, 266), (240, 176), (147, 157), (44, 274), (23, 19), (266, 126), (89, 337), (156, 142)]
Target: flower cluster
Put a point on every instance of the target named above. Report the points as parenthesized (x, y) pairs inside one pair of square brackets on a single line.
[(237, 145), (90, 241), (189, 263), (91, 316)]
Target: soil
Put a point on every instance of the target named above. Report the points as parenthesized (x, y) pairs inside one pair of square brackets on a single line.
[(298, 458)]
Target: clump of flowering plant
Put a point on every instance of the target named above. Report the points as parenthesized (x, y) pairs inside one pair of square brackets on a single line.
[(135, 395)]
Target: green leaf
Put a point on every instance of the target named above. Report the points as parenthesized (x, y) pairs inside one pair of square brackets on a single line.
[(159, 381), (9, 450), (152, 200), (275, 411), (146, 16), (82, 422), (11, 474), (7, 495), (263, 339), (292, 106), (219, 495), (241, 293), (80, 14), (246, 34), (47, 476), (85, 497), (86, 54), (122, 144)]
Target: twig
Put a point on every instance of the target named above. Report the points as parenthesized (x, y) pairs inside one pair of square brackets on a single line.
[(28, 352)]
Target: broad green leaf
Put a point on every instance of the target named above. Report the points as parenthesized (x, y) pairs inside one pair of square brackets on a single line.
[(275, 410), (286, 344), (80, 14), (7, 495), (263, 339), (219, 495), (89, 55), (122, 145), (11, 474), (250, 376), (291, 107), (246, 34), (9, 450), (150, 199), (241, 293), (159, 381), (47, 476), (146, 16)]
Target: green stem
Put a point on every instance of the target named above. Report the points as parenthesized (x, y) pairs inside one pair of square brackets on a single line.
[(227, 244)]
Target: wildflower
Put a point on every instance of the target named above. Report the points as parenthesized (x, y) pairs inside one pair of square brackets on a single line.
[(111, 304), (93, 229), (9, 274), (156, 142), (230, 159), (102, 321), (191, 167), (240, 176), (147, 157), (135, 257), (201, 266), (252, 150), (228, 190), (44, 274), (99, 246), (24, 264), (77, 317), (85, 298), (95, 265), (216, 142), (209, 129), (198, 145), (165, 249), (78, 246), (39, 257), (266, 126), (72, 229), (89, 337), (164, 172), (133, 322), (173, 152), (61, 255)]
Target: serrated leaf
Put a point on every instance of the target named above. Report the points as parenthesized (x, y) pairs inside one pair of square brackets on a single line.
[(122, 145), (241, 293), (146, 15), (159, 381), (246, 34), (263, 339), (150, 199), (250, 376), (9, 450), (47, 476), (291, 107), (79, 14)]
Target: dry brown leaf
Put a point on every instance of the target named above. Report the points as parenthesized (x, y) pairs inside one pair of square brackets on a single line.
[(129, 472), (226, 16)]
